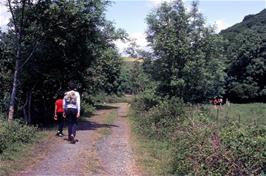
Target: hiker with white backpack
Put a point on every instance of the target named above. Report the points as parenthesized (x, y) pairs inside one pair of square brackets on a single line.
[(71, 103)]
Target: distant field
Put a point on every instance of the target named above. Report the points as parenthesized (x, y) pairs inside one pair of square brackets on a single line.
[(130, 59), (245, 113)]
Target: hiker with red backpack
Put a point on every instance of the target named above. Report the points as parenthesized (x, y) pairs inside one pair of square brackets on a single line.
[(71, 104), (58, 114)]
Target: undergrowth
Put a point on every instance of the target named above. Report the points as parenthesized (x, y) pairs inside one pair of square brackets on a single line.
[(198, 143), (16, 142)]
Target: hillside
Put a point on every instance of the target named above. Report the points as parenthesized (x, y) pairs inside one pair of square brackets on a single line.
[(246, 59), (255, 22)]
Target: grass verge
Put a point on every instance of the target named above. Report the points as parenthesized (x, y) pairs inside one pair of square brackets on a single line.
[(150, 154), (19, 156)]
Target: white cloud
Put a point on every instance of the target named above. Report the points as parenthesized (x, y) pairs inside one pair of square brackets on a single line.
[(158, 2), (220, 25), (4, 16), (121, 45), (140, 39)]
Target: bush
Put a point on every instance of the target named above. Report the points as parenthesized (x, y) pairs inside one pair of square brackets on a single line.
[(87, 109), (146, 100), (102, 97), (15, 133), (201, 145), (161, 120), (205, 149)]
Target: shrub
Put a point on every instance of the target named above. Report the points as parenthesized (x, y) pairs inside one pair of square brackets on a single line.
[(15, 133), (200, 144), (161, 120), (87, 109), (146, 100), (204, 148)]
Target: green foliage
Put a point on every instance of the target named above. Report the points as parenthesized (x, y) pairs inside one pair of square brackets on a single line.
[(125, 85), (246, 59), (16, 133), (104, 73), (246, 114), (117, 99), (187, 56), (200, 144), (87, 109), (5, 73), (146, 100), (66, 41), (160, 120), (133, 79), (138, 79), (204, 148)]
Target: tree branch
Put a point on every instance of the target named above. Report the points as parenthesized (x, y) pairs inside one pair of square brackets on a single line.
[(13, 16), (29, 57)]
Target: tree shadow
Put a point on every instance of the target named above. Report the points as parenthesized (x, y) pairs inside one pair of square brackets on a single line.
[(87, 125), (105, 106)]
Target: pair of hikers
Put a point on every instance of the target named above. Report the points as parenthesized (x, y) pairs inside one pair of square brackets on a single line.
[(216, 101), (68, 107)]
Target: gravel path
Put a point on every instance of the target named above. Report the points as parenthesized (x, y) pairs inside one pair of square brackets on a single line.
[(116, 156), (111, 155)]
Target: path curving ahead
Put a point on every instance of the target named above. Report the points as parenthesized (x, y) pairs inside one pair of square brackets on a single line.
[(91, 155)]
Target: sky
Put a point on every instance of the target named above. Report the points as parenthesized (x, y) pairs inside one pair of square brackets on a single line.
[(130, 15)]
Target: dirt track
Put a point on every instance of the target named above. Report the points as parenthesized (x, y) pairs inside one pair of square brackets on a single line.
[(115, 152), (93, 154)]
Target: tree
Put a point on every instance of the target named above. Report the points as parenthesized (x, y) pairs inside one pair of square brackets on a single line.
[(188, 58), (6, 68), (167, 35), (17, 10), (137, 79), (64, 39), (246, 64), (246, 68)]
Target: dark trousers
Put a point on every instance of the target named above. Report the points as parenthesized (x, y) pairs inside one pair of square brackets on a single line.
[(60, 121), (71, 115)]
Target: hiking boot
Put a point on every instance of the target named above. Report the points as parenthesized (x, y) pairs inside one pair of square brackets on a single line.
[(60, 135), (72, 139)]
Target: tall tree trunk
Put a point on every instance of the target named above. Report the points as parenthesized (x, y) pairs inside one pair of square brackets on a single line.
[(15, 86), (18, 25)]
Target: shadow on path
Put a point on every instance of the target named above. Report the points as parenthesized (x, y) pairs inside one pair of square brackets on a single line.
[(105, 107), (87, 125)]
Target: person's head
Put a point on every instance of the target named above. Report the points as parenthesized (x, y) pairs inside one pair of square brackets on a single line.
[(60, 95), (72, 85)]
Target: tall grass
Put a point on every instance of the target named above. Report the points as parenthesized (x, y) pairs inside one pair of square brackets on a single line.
[(247, 114), (201, 139)]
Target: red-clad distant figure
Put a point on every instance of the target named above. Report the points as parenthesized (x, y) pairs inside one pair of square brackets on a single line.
[(220, 101), (216, 101), (58, 115)]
